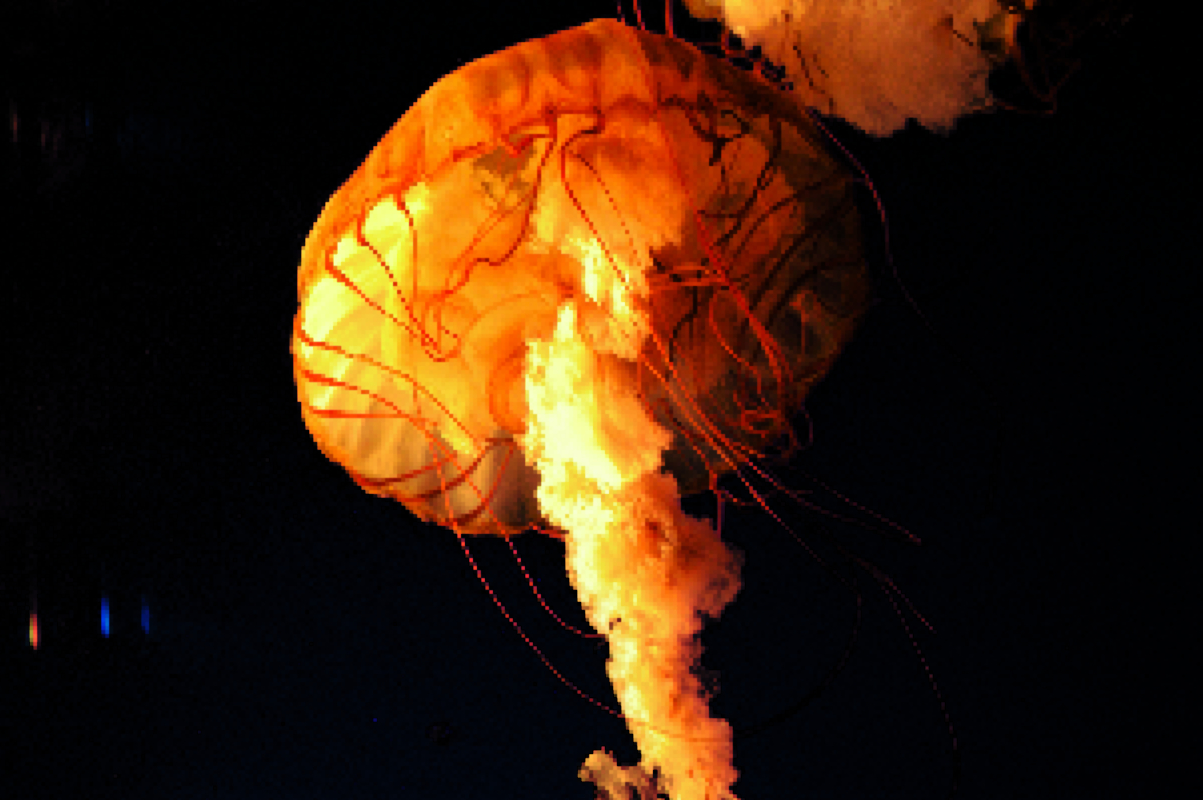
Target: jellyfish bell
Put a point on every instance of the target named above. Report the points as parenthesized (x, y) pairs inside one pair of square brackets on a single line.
[(689, 214)]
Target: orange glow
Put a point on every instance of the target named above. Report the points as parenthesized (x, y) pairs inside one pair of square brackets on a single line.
[(578, 278), (33, 630), (617, 170)]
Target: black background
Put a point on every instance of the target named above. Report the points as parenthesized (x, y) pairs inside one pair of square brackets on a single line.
[(310, 641)]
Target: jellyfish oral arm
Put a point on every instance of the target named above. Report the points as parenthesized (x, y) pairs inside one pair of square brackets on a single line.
[(647, 575)]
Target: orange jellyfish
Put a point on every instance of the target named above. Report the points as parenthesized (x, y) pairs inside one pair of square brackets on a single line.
[(690, 215), (579, 278)]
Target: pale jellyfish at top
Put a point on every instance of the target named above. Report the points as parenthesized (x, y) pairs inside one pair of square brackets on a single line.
[(593, 272), (878, 63)]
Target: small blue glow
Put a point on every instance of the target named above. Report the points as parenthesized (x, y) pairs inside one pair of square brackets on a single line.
[(104, 615), (145, 617)]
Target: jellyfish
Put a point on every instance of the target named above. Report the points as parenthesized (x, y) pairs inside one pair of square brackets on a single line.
[(581, 278), (881, 66)]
